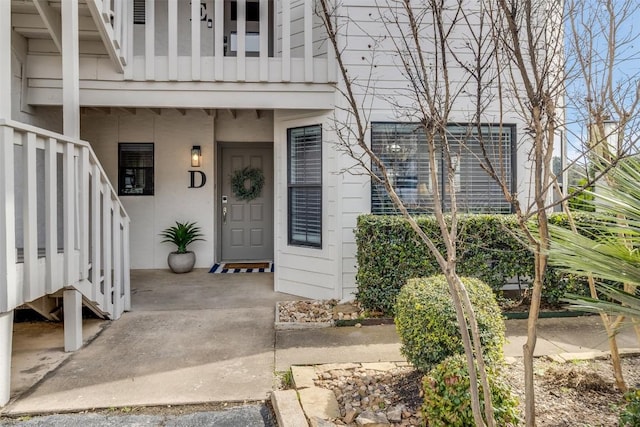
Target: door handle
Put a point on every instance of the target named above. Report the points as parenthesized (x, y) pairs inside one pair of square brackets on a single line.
[(224, 209)]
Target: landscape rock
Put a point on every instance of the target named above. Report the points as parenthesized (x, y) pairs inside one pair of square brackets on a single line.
[(319, 402), (372, 419)]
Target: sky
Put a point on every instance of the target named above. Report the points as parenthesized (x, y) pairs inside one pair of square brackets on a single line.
[(626, 75)]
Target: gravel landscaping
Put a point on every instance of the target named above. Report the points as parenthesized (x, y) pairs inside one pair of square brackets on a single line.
[(574, 393)]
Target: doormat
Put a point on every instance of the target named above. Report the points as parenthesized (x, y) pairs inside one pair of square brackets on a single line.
[(242, 267)]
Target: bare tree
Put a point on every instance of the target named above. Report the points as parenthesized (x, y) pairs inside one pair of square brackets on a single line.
[(498, 62), (422, 40), (605, 98), (530, 40)]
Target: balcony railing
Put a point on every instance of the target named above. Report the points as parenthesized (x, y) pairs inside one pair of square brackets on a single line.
[(217, 40), (62, 224)]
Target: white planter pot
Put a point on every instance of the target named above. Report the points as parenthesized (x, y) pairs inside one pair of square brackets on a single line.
[(181, 263)]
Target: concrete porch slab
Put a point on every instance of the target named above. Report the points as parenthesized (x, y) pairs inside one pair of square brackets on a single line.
[(164, 357)]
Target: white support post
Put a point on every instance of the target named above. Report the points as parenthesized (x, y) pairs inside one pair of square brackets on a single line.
[(332, 65), (68, 172), (72, 307), (96, 227), (106, 248), (264, 40), (127, 39), (126, 265), (30, 215), (5, 59), (6, 341), (51, 213), (195, 40), (219, 39), (9, 297), (106, 10), (241, 52), (117, 23), (173, 39), (150, 40), (286, 40), (117, 264), (83, 208), (308, 41), (70, 70)]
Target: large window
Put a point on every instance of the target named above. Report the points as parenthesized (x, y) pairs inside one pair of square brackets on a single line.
[(404, 150), (304, 157), (135, 169)]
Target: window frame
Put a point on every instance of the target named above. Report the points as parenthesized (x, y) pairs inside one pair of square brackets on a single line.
[(512, 130), (121, 168), (291, 186)]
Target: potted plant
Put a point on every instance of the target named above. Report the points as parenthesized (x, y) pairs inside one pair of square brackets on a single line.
[(181, 235)]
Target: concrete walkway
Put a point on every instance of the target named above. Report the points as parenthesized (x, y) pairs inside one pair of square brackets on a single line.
[(203, 337)]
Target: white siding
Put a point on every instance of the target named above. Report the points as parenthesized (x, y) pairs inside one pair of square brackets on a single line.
[(375, 60), (311, 272)]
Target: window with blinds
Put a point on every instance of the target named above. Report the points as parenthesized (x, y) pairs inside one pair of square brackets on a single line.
[(404, 150), (139, 12), (304, 159), (135, 169)]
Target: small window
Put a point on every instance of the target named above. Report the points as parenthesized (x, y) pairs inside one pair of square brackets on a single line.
[(139, 12), (304, 157), (135, 169)]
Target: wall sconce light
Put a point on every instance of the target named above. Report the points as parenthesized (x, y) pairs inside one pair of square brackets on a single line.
[(196, 154)]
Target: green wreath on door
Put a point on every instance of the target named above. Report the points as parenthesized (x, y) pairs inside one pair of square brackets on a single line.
[(239, 186)]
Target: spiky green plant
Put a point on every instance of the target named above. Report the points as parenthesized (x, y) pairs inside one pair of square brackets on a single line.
[(609, 249), (182, 235)]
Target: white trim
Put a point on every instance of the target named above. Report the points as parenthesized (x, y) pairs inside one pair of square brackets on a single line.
[(6, 341), (149, 40), (286, 40), (172, 24), (70, 69), (195, 40), (9, 297), (51, 215), (30, 215)]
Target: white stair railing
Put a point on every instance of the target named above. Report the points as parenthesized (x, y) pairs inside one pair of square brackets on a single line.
[(62, 222)]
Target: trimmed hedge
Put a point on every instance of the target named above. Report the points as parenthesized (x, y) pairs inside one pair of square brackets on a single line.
[(389, 253), (427, 325)]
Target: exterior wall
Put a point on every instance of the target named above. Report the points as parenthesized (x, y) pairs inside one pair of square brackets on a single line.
[(173, 135), (311, 272), (360, 52), (47, 118)]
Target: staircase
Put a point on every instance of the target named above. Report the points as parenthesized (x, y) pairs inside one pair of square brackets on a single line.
[(63, 233)]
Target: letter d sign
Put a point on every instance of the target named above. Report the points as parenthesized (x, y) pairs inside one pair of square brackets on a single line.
[(203, 179)]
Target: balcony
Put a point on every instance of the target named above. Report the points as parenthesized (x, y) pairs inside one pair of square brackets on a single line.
[(180, 54)]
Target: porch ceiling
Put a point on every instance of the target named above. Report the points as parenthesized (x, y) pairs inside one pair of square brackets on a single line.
[(29, 19)]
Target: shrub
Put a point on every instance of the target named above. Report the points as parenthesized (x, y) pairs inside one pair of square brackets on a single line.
[(447, 400), (389, 253), (630, 414), (427, 325)]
